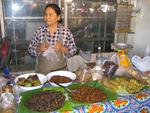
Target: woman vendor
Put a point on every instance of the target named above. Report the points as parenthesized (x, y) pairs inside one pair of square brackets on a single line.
[(52, 43)]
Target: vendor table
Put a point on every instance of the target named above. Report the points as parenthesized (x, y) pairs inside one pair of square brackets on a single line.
[(135, 103)]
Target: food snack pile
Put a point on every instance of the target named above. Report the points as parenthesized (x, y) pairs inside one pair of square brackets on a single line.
[(87, 94), (32, 80), (60, 79), (46, 101)]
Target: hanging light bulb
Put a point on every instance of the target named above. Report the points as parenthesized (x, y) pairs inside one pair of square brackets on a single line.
[(15, 7), (34, 4), (46, 1), (104, 8), (68, 1)]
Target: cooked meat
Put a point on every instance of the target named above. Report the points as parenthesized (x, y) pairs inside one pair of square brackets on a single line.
[(60, 79), (87, 94), (31, 80), (46, 101), (32, 77)]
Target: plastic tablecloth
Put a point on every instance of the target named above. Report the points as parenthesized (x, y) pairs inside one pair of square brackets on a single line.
[(135, 103)]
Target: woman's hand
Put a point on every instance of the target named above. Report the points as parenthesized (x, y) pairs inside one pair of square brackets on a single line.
[(42, 47), (59, 47)]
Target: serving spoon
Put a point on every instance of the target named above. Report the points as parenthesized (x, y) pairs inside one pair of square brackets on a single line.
[(67, 89)]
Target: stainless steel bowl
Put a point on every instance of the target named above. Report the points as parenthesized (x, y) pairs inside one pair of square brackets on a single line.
[(121, 46)]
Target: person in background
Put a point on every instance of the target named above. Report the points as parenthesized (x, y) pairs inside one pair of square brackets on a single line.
[(54, 39)]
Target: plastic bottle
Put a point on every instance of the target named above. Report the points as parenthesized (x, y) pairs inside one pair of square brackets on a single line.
[(99, 57), (147, 51)]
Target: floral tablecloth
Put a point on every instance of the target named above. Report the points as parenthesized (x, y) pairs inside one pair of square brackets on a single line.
[(136, 103)]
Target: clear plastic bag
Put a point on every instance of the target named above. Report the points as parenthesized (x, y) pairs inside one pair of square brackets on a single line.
[(97, 73), (50, 54), (84, 74), (87, 75), (7, 103), (3, 81)]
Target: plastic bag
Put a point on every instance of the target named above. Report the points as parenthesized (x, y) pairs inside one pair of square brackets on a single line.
[(3, 81), (50, 54), (87, 75), (109, 68), (141, 64), (7, 103), (147, 51), (97, 73), (84, 74)]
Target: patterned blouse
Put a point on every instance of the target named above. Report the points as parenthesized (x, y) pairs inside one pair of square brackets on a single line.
[(62, 33)]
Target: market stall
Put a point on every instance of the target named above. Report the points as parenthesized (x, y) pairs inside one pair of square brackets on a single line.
[(90, 91)]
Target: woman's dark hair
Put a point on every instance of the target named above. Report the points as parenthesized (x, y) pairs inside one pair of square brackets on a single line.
[(56, 8)]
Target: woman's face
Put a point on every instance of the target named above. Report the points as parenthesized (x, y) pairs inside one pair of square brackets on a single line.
[(50, 17)]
